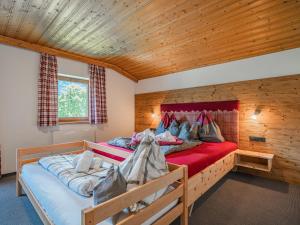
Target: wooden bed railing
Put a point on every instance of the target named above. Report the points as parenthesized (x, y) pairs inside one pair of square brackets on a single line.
[(94, 215)]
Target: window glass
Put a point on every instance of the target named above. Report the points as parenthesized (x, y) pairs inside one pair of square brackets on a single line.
[(72, 98)]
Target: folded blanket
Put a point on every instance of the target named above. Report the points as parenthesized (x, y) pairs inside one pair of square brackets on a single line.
[(84, 162), (95, 164), (62, 167)]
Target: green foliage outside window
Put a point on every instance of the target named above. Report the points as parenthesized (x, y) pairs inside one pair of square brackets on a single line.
[(72, 99)]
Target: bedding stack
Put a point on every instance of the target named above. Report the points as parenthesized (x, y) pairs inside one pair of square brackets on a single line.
[(204, 128), (175, 136)]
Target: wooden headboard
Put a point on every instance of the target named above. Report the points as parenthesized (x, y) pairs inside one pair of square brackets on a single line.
[(225, 113)]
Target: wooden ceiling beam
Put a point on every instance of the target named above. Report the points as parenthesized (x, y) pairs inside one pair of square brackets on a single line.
[(40, 48)]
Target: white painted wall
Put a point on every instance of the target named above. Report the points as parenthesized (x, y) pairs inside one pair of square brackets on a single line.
[(19, 71), (270, 65)]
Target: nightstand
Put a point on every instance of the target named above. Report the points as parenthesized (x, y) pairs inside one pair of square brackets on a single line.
[(262, 161)]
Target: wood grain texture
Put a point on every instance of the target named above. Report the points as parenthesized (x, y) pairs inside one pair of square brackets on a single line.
[(205, 179), (177, 177), (279, 120), (155, 37)]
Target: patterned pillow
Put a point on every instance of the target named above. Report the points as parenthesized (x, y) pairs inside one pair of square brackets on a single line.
[(174, 128), (172, 118), (194, 131), (163, 125), (122, 142), (209, 130), (184, 132)]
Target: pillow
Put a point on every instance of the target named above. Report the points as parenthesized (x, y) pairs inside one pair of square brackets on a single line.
[(176, 142), (163, 125), (184, 131), (96, 163), (194, 131), (135, 141), (165, 138), (172, 118), (120, 142), (174, 128), (112, 185), (209, 130)]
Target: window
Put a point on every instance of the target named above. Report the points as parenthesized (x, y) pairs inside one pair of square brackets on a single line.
[(73, 99)]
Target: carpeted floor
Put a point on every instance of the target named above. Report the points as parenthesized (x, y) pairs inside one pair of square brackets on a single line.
[(238, 199)]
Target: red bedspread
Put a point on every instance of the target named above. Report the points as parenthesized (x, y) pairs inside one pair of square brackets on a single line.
[(197, 158), (118, 158), (201, 156)]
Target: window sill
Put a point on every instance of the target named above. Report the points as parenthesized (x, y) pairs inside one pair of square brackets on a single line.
[(73, 122)]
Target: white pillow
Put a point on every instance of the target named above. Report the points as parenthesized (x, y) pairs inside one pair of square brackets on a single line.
[(96, 163), (84, 162)]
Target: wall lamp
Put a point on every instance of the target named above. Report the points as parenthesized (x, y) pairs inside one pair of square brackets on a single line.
[(153, 114), (256, 113)]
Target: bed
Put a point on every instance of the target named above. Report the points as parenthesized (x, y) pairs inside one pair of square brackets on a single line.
[(208, 162), (56, 204), (196, 158)]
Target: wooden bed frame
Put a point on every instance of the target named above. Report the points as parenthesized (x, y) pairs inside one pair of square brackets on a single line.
[(199, 183), (205, 179), (94, 215), (226, 114)]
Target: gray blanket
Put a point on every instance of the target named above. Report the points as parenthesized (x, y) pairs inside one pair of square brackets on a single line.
[(165, 149), (122, 142), (144, 164), (168, 149), (82, 183)]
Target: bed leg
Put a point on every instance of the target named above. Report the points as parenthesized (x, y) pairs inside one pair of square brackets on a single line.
[(184, 217), (191, 209), (18, 187), (18, 171)]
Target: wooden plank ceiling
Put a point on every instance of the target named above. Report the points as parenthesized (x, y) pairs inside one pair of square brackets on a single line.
[(148, 38)]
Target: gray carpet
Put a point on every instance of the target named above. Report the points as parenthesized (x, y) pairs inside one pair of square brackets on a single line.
[(238, 199)]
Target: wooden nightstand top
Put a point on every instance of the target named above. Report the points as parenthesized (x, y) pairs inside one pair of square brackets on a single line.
[(255, 154), (254, 165)]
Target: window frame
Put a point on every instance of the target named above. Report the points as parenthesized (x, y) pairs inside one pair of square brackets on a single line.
[(70, 120)]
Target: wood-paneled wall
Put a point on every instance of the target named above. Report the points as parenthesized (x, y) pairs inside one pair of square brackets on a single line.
[(279, 120)]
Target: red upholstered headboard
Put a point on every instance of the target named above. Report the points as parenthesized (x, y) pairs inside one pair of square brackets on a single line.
[(225, 113)]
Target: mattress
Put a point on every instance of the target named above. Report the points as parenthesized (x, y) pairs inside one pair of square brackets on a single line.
[(62, 205), (201, 156), (196, 158)]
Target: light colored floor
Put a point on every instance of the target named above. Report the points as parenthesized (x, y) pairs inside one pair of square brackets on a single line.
[(238, 199)]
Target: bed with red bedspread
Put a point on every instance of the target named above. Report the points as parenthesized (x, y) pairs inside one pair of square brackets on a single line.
[(196, 158), (225, 113)]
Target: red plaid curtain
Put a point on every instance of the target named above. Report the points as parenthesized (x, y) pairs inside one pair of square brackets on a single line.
[(47, 91), (98, 112)]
